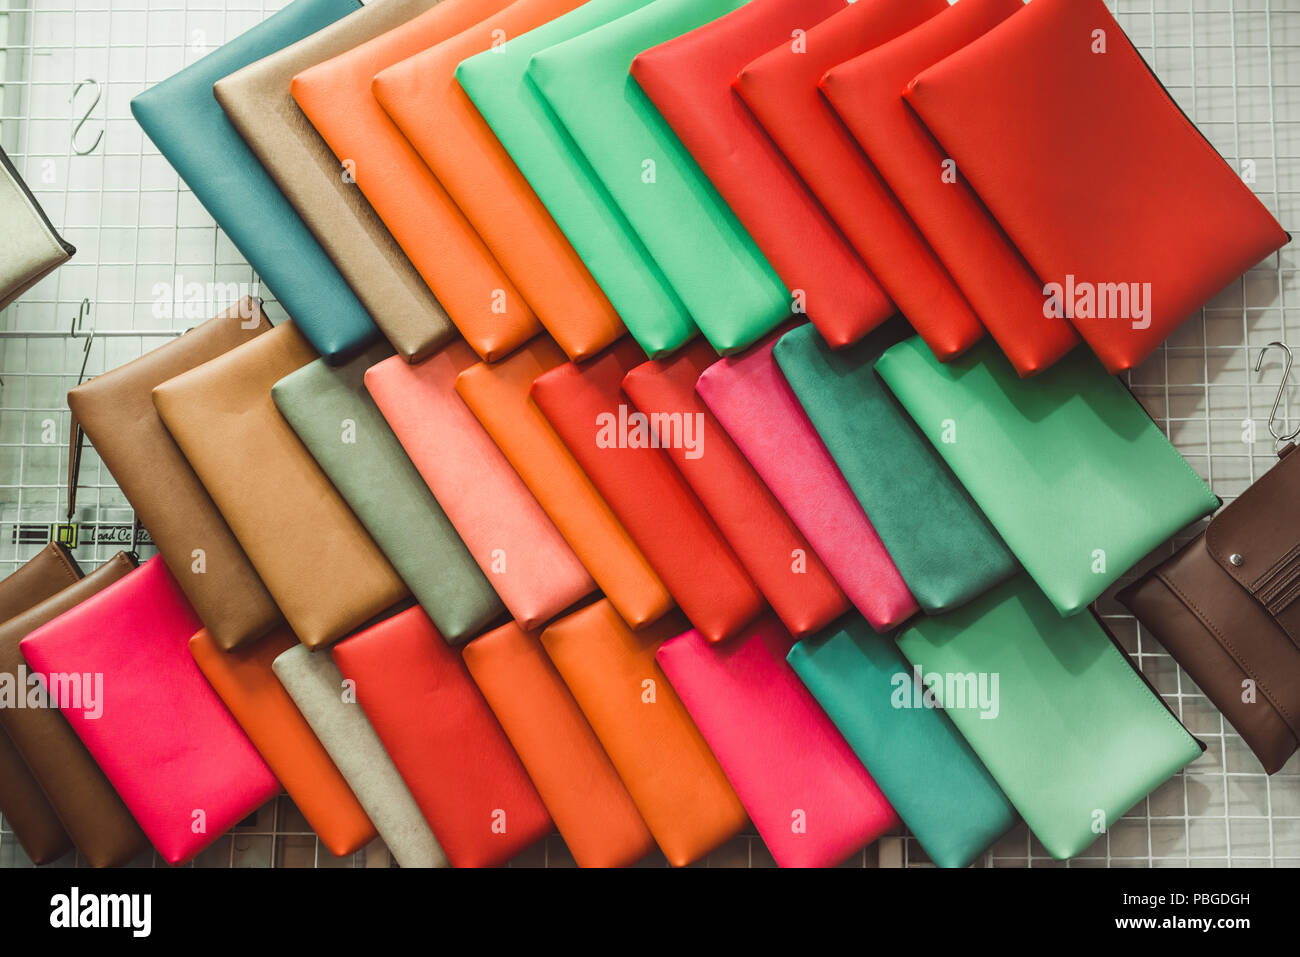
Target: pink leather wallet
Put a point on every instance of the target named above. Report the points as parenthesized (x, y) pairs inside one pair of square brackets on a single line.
[(163, 738)]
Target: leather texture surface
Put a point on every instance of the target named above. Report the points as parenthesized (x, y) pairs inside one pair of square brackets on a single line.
[(442, 736), (258, 103), (1069, 469), (812, 801), (30, 248), (1009, 109), (164, 740), (754, 403), (673, 777), (182, 118), (1079, 736), (516, 546), (317, 561)]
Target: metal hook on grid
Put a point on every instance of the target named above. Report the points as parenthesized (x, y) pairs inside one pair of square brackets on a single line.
[(78, 321), (85, 117), (1273, 428)]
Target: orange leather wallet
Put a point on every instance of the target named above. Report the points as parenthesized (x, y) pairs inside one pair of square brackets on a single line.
[(442, 245), (422, 96), (673, 777), (589, 804)]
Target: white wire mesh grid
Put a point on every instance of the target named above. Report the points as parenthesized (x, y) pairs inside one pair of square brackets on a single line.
[(1233, 66)]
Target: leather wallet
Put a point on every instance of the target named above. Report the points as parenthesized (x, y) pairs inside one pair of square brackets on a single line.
[(182, 117), (1224, 607), (31, 248), (329, 705), (316, 559), (590, 806), (673, 777), (812, 801), (731, 291), (769, 546), (1070, 469), (258, 103), (924, 767), (867, 93), (334, 416), (443, 738), (99, 824), (690, 79), (1009, 108), (498, 395), (336, 97), (116, 412), (517, 547), (586, 406), (780, 87), (496, 80), (163, 738), (754, 403), (1079, 736), (429, 107), (244, 680), (944, 547)]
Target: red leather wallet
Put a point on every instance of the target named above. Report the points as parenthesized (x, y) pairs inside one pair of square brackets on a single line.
[(442, 736), (586, 405), (690, 80), (1128, 215), (867, 92)]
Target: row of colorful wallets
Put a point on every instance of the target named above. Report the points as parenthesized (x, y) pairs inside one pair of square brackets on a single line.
[(821, 568)]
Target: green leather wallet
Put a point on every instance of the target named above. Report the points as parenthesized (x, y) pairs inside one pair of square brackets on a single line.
[(1064, 723), (944, 547), (1068, 466), (332, 413), (933, 779), (730, 289)]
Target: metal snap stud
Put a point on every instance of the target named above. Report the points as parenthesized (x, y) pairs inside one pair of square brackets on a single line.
[(1236, 560)]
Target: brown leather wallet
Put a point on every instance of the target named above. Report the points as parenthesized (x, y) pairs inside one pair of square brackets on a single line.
[(92, 813), (324, 571), (115, 410)]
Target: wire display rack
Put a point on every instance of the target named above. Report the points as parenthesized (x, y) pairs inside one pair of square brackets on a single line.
[(150, 263)]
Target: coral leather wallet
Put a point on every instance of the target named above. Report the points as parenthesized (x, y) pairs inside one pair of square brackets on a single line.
[(1057, 121), (164, 739)]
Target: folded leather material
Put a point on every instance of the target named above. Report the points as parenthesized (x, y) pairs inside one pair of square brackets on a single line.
[(316, 559), (517, 547), (557, 171), (443, 738), (498, 395), (811, 800), (754, 403), (780, 87), (867, 92), (182, 117), (164, 740), (944, 547), (429, 107), (117, 414), (329, 705), (31, 247), (1079, 737), (731, 291), (42, 576), (923, 765), (1070, 469), (258, 103), (690, 80), (571, 771), (94, 816), (245, 681), (673, 777), (1224, 607), (339, 423), (1190, 224), (769, 546), (586, 406), (432, 231)]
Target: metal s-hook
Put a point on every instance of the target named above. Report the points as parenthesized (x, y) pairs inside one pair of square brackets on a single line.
[(86, 116), (1278, 439), (78, 321)]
